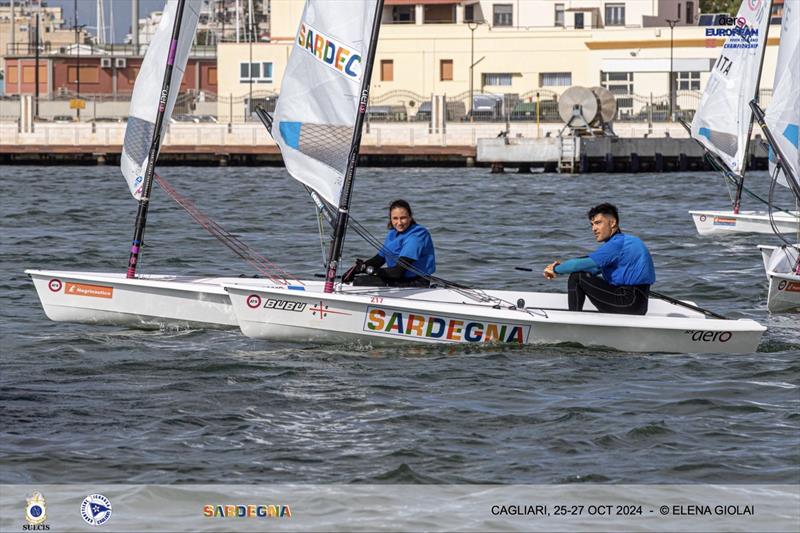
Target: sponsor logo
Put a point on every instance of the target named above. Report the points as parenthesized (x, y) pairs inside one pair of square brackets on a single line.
[(96, 509), (726, 20), (702, 218), (35, 513), (286, 305), (54, 285), (247, 511), (442, 328), (724, 221), (709, 336), (95, 291), (330, 52), (254, 301), (789, 286)]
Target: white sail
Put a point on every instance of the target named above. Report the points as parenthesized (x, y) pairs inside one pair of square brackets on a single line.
[(783, 114), (314, 120), (723, 118), (146, 97)]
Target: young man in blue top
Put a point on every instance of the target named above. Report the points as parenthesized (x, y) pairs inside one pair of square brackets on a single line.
[(624, 262), (407, 253)]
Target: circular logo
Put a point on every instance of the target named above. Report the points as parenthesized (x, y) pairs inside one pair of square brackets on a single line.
[(253, 301), (702, 218), (35, 511), (782, 284), (96, 509), (55, 285)]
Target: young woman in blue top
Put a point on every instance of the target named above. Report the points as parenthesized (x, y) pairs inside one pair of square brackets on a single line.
[(622, 259), (407, 253)]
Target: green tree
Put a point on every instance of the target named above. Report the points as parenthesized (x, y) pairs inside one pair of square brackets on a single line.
[(720, 6)]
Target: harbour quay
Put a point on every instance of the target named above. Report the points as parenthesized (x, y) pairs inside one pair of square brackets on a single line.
[(514, 146)]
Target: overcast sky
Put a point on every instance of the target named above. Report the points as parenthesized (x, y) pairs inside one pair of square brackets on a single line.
[(87, 13)]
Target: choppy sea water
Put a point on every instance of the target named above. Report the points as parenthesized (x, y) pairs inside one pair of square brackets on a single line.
[(99, 404)]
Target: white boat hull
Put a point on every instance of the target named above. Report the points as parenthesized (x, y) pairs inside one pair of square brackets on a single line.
[(784, 284), (728, 222), (442, 316), (145, 301)]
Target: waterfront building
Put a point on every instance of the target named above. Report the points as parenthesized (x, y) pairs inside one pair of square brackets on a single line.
[(505, 47)]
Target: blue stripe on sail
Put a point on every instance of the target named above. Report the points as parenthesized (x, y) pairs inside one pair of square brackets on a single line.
[(791, 133), (290, 132), (705, 132)]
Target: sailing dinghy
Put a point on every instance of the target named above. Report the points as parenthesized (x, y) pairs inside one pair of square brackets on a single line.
[(724, 121), (317, 124), (132, 299), (781, 124)]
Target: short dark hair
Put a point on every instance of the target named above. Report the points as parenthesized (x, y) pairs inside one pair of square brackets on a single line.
[(604, 209), (403, 205)]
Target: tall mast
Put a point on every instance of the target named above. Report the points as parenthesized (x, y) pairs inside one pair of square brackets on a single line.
[(738, 200), (147, 185), (335, 251)]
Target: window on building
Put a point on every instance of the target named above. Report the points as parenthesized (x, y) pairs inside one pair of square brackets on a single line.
[(469, 13), (578, 21), (617, 82), (403, 14), (615, 14), (687, 81), (439, 13), (679, 11), (503, 14), (258, 72), (212, 75), (446, 70), (387, 70), (88, 74), (555, 79), (689, 12), (497, 79), (559, 15)]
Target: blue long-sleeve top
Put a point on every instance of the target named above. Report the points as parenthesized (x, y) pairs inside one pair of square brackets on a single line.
[(579, 264)]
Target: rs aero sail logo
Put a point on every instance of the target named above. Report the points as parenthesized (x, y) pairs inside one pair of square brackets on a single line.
[(330, 52), (35, 513)]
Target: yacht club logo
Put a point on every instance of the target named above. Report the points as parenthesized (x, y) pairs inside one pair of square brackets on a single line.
[(55, 285), (96, 509), (35, 513)]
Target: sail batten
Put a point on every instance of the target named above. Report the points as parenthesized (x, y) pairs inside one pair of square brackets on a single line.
[(147, 100), (315, 117), (723, 120)]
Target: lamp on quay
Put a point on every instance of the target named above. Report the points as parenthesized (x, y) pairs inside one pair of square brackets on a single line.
[(472, 25), (671, 23)]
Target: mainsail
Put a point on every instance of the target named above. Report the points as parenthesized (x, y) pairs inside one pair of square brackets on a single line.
[(723, 119), (316, 114), (783, 114), (147, 99)]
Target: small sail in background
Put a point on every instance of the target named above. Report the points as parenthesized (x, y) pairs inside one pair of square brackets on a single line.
[(147, 98), (315, 117), (723, 119), (783, 114)]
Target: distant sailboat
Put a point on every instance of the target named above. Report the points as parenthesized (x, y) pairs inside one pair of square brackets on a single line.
[(317, 125), (724, 121), (130, 298), (781, 125)]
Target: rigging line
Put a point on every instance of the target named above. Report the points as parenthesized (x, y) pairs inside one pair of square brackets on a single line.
[(735, 181), (466, 291), (241, 249), (772, 223)]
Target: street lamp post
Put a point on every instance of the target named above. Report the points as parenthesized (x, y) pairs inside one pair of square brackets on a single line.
[(472, 25), (671, 23)]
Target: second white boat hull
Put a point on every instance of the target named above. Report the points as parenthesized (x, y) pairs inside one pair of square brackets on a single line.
[(728, 222), (440, 316), (149, 301), (784, 282)]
